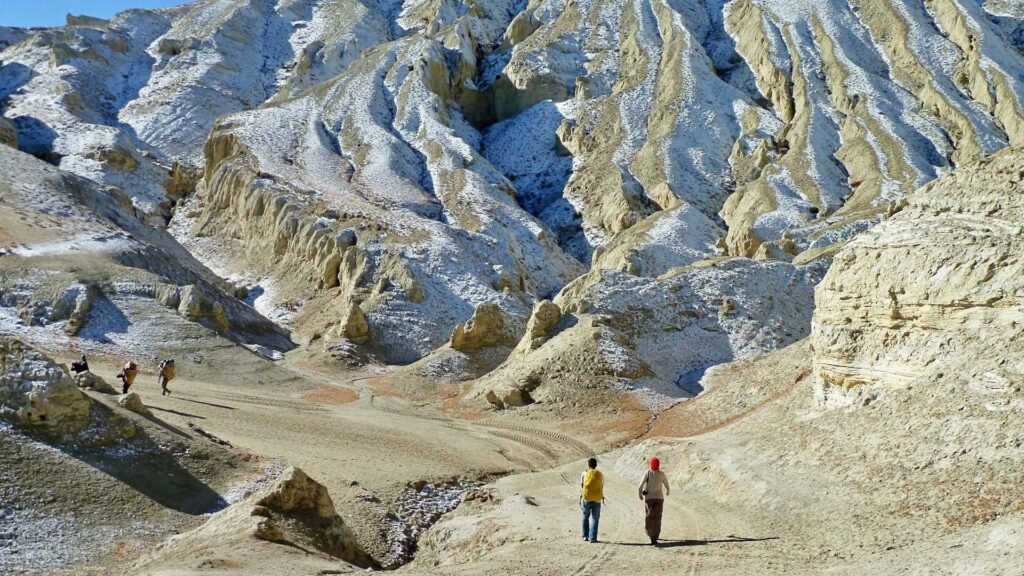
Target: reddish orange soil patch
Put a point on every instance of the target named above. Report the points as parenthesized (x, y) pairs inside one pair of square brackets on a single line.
[(452, 404), (626, 421), (332, 395), (126, 551), (381, 386)]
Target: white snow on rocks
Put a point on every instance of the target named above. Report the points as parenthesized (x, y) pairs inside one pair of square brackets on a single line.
[(692, 318)]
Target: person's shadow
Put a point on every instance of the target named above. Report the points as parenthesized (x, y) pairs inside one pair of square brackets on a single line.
[(666, 543)]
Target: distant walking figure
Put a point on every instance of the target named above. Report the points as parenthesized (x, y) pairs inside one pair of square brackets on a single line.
[(167, 373), (591, 496), (80, 366), (127, 375), (653, 489)]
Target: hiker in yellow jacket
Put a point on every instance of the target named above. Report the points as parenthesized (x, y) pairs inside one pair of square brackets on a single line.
[(591, 496)]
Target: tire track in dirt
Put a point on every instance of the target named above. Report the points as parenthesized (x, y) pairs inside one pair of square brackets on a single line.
[(594, 564), (514, 432), (538, 446), (569, 441), (269, 402)]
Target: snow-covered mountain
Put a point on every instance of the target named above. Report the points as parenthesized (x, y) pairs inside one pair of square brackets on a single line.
[(377, 171)]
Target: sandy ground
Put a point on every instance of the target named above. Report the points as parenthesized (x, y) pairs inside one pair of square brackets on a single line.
[(763, 481), (537, 531), (366, 448)]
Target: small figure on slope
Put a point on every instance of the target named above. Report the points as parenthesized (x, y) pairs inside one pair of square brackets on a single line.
[(80, 366), (127, 375), (167, 373), (591, 496)]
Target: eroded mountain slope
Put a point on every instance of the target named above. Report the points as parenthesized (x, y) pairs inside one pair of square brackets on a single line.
[(78, 266), (375, 173)]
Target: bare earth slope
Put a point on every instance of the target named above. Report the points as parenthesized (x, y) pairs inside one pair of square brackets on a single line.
[(80, 266)]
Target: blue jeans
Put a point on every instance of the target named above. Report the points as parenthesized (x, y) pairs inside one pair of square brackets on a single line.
[(591, 509)]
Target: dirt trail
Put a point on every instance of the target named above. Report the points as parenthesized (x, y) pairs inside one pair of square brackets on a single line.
[(545, 528), (367, 451)]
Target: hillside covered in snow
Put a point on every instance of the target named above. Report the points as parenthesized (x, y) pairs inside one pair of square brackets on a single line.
[(375, 176)]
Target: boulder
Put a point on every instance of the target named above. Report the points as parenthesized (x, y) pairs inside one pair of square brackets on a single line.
[(118, 155), (83, 301), (294, 510), (36, 391), (89, 381), (180, 182), (485, 329), (508, 396), (545, 316), (195, 306), (8, 133), (354, 326), (132, 401)]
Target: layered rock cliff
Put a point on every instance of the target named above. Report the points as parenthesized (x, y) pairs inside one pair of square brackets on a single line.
[(934, 293)]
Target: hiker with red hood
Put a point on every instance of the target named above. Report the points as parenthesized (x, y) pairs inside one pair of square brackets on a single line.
[(653, 489)]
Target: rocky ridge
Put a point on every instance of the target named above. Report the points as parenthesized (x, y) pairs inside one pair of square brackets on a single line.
[(375, 174), (78, 262)]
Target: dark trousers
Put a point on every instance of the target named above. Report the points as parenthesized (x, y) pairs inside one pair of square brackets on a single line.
[(652, 520), (591, 509)]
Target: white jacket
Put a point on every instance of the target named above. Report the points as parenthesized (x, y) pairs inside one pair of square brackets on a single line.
[(656, 484)]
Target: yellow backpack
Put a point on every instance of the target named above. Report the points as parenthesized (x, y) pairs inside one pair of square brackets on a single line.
[(593, 485)]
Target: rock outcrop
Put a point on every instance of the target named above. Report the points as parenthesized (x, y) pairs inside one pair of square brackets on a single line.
[(354, 326), (133, 402), (485, 329), (292, 510), (296, 509), (543, 320), (935, 291), (8, 133), (89, 381), (37, 392)]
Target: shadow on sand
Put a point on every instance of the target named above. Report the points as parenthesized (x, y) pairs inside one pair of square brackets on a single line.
[(665, 543), (204, 403), (183, 414), (148, 465)]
